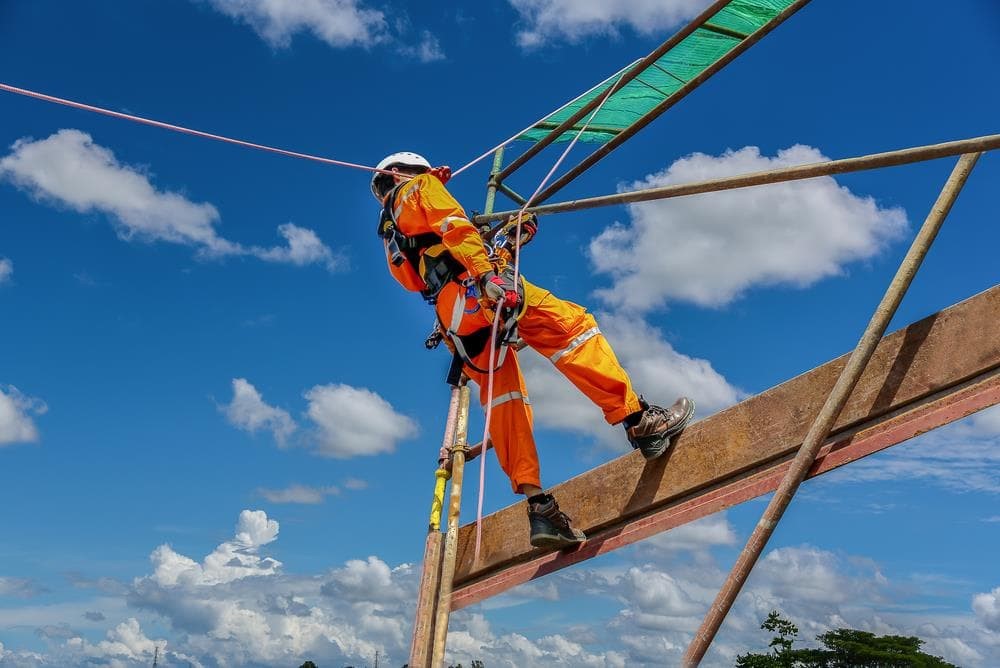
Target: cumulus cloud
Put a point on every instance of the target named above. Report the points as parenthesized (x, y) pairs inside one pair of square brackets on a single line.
[(339, 23), (232, 560), (16, 409), (70, 170), (695, 538), (6, 270), (710, 249), (236, 607), (255, 614), (987, 609), (249, 412), (125, 642), (352, 421), (298, 494), (545, 21), (303, 248)]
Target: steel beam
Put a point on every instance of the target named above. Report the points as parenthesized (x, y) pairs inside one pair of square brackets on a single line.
[(854, 444), (933, 356)]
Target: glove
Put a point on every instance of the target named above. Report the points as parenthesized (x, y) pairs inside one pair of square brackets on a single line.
[(529, 227), (496, 288), (505, 236), (443, 173)]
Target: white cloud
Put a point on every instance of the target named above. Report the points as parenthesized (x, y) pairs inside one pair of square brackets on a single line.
[(962, 457), (709, 249), (19, 587), (226, 617), (69, 169), (16, 409), (696, 538), (125, 642), (6, 270), (987, 608), (339, 23), (236, 607), (985, 423), (549, 20), (249, 412), (352, 421), (303, 248), (232, 560), (298, 494), (426, 50)]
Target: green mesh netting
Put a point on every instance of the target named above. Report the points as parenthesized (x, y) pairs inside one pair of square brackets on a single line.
[(690, 57)]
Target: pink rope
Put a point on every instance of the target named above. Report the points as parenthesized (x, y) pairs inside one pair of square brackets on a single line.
[(520, 213), (496, 320), (486, 431), (183, 130), (515, 136)]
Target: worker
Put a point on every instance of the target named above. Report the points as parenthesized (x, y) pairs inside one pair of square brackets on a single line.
[(433, 248)]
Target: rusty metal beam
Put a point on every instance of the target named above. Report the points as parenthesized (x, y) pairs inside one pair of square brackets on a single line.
[(883, 432), (719, 456)]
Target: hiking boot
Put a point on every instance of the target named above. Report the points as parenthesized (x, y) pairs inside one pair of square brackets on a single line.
[(651, 435), (550, 527)]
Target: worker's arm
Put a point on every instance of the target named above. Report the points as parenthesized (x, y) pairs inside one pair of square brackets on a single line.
[(445, 216), (404, 274)]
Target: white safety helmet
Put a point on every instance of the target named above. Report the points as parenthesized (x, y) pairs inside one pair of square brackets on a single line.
[(381, 182)]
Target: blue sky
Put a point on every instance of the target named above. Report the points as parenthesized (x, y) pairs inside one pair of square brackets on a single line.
[(204, 363)]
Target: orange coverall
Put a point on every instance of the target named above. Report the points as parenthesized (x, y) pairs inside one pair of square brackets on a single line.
[(562, 331)]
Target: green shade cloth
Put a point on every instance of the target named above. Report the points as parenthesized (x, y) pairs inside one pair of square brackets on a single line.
[(690, 57)]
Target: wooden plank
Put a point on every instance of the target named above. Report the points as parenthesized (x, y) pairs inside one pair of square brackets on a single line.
[(879, 434), (929, 356)]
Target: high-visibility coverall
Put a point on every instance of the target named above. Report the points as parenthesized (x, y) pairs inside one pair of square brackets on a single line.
[(562, 331)]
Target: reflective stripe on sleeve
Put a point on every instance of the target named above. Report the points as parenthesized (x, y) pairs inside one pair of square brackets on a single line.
[(575, 343), (446, 223)]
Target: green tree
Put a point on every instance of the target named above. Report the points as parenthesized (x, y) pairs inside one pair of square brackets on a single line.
[(308, 664), (841, 648), (476, 663)]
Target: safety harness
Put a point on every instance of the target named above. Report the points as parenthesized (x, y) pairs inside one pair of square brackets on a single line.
[(436, 267)]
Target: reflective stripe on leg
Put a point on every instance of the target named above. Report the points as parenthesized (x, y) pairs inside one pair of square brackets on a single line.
[(575, 343)]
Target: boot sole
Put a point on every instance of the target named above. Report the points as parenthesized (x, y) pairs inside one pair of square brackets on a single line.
[(553, 542), (670, 433)]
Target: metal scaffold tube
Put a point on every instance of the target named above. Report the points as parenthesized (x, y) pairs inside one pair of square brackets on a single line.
[(820, 429), (798, 172), (430, 578), (458, 451)]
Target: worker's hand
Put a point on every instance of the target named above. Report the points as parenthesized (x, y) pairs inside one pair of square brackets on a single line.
[(529, 227), (443, 173), (496, 288)]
